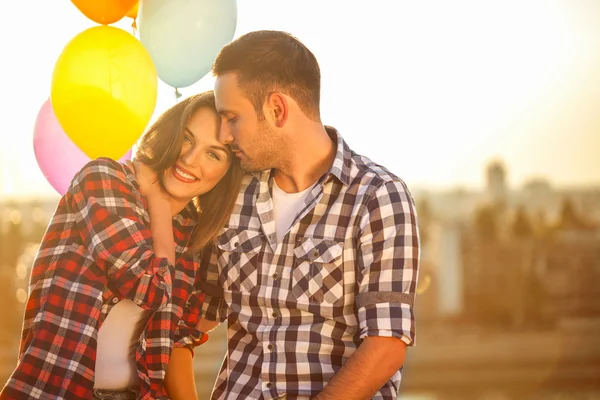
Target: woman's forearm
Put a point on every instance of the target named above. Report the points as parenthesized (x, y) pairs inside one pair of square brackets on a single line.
[(179, 380), (161, 226)]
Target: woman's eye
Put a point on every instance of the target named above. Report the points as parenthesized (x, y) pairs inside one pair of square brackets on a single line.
[(214, 155), (187, 139), (232, 120)]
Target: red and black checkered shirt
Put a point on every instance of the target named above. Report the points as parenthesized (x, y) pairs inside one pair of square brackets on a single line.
[(98, 250)]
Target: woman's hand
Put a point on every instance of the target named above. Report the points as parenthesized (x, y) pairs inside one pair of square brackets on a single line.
[(159, 210), (148, 181)]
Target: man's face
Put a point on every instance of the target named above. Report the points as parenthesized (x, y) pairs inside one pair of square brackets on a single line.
[(252, 140)]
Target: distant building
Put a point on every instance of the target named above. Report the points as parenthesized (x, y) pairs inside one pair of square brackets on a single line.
[(570, 271), (496, 186)]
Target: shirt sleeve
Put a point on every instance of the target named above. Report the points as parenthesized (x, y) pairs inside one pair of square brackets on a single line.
[(187, 335), (108, 212), (388, 259), (214, 307)]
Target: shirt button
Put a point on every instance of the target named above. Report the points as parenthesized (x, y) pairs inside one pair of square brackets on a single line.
[(269, 385), (316, 253), (236, 244), (115, 300), (270, 347), (274, 314), (162, 270), (275, 276)]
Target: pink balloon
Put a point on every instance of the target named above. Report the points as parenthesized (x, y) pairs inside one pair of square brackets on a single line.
[(57, 156)]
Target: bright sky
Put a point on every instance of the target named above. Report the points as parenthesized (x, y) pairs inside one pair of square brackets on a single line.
[(431, 89)]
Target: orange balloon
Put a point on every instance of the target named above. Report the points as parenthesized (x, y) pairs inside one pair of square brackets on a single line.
[(134, 10), (104, 11)]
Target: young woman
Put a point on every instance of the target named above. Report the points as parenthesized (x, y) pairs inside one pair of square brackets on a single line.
[(111, 286)]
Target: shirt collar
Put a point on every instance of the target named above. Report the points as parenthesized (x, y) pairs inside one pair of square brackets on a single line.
[(188, 216)]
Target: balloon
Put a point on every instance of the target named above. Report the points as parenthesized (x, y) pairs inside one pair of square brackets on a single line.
[(184, 36), (133, 12), (133, 15), (104, 11), (103, 91), (58, 158)]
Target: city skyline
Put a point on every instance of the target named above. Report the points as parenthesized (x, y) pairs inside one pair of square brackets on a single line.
[(450, 87), (417, 189)]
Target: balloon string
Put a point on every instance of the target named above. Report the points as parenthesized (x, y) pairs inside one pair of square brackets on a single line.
[(177, 94), (134, 28)]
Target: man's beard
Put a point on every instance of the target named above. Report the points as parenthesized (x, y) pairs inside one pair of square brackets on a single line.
[(263, 159), (252, 166)]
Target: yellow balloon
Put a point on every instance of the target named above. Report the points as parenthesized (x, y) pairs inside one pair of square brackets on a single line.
[(103, 92)]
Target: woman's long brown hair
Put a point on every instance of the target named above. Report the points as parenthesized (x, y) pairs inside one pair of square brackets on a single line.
[(160, 148)]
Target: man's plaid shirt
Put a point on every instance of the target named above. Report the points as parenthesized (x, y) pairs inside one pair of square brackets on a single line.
[(298, 309), (96, 251)]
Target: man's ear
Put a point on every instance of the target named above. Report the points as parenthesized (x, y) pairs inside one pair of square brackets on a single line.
[(277, 109)]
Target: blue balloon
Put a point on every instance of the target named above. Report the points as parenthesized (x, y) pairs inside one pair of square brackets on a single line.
[(184, 37)]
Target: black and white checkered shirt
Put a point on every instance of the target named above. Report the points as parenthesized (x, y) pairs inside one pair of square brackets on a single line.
[(299, 308)]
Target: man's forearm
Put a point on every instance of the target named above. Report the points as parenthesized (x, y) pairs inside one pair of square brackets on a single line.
[(367, 370)]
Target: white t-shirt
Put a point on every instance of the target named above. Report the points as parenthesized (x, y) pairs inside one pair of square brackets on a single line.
[(285, 208)]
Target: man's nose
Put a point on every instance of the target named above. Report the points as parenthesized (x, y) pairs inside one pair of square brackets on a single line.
[(225, 135)]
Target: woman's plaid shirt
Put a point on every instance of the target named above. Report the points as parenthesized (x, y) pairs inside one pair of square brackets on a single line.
[(96, 251), (299, 308)]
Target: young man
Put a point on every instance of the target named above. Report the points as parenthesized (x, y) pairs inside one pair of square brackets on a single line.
[(317, 269)]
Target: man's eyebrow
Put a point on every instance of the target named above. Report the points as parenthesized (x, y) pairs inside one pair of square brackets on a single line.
[(225, 111)]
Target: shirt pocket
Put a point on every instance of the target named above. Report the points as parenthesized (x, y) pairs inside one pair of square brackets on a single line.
[(318, 275), (240, 253)]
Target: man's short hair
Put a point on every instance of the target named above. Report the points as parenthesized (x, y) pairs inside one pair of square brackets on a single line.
[(273, 61)]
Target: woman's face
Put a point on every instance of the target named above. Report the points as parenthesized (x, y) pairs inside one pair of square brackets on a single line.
[(203, 160)]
